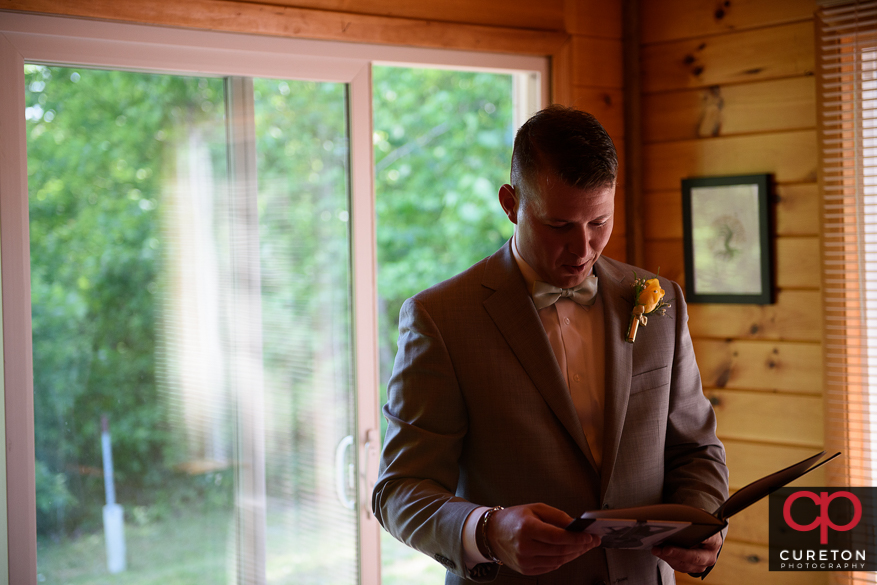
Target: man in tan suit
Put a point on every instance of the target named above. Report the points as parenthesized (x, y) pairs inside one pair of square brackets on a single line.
[(516, 404)]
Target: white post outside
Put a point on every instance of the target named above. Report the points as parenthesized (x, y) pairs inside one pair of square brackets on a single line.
[(114, 517)]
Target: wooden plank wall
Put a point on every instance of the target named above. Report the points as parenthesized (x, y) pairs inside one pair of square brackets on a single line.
[(728, 88), (339, 21), (597, 85)]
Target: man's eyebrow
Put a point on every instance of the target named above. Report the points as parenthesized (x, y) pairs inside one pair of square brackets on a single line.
[(564, 220)]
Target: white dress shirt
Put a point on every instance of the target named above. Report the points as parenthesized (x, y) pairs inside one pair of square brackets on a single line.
[(577, 338)]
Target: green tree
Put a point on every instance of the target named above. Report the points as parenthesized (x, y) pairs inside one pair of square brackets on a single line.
[(443, 142), (96, 144)]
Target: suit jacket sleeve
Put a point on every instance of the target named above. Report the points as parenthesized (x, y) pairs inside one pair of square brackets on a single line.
[(696, 473), (694, 459), (427, 425)]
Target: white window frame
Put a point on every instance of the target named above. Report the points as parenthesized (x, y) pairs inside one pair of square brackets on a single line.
[(69, 41)]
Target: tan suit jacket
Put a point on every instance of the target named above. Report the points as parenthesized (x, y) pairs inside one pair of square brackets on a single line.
[(479, 414)]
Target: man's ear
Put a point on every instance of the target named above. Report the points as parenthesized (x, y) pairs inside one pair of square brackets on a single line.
[(509, 201)]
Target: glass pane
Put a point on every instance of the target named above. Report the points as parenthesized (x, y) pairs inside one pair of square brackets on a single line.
[(302, 148), (122, 168), (443, 142), (141, 316)]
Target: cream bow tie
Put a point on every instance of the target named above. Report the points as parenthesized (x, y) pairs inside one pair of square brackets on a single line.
[(545, 295)]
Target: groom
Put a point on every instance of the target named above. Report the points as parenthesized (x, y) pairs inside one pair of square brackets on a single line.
[(516, 404)]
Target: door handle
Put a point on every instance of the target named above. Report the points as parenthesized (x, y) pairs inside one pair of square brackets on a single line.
[(344, 473)]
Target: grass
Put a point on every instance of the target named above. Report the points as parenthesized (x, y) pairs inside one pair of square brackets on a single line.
[(401, 565), (187, 549), (195, 547)]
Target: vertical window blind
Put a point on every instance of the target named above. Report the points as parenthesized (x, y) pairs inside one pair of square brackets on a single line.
[(846, 66)]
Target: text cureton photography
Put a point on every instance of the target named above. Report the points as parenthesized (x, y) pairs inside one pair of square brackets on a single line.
[(823, 560), (822, 529)]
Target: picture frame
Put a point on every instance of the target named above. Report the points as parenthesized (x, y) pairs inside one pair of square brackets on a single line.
[(727, 239)]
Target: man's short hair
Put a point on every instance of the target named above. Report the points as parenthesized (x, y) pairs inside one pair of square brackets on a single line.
[(568, 143)]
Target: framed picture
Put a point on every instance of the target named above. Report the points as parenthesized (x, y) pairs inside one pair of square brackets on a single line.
[(728, 252)]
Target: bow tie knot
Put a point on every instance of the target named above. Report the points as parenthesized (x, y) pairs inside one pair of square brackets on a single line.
[(545, 295)]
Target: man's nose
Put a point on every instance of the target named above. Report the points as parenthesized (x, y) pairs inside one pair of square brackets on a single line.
[(579, 241)]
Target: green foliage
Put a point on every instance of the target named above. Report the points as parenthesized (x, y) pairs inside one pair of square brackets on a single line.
[(96, 144), (443, 142), (52, 495)]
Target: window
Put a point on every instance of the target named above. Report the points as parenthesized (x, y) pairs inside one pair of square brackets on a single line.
[(847, 70), (256, 143)]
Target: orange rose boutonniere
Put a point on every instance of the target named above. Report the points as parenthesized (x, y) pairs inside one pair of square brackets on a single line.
[(648, 300)]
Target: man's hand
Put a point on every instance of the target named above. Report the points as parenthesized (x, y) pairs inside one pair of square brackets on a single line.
[(531, 539), (691, 560)]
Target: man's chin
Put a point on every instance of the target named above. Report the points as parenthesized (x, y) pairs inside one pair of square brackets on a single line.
[(572, 276), (568, 281)]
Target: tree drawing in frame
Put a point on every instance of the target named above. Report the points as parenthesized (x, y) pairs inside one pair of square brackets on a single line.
[(727, 240)]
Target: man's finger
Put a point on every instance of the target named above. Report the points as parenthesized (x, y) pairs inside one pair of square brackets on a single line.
[(536, 548), (552, 528), (551, 515), (543, 564), (554, 536), (527, 539), (691, 560), (542, 523)]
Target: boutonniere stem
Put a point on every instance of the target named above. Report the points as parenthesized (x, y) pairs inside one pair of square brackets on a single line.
[(648, 300)]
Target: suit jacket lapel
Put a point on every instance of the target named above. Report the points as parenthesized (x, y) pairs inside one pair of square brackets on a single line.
[(516, 318), (617, 295)]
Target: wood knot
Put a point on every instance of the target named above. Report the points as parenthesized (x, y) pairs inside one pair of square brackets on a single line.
[(711, 118), (720, 13), (688, 60), (723, 377), (753, 559), (697, 70), (754, 329)]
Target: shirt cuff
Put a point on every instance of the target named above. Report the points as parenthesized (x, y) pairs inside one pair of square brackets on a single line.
[(471, 555)]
